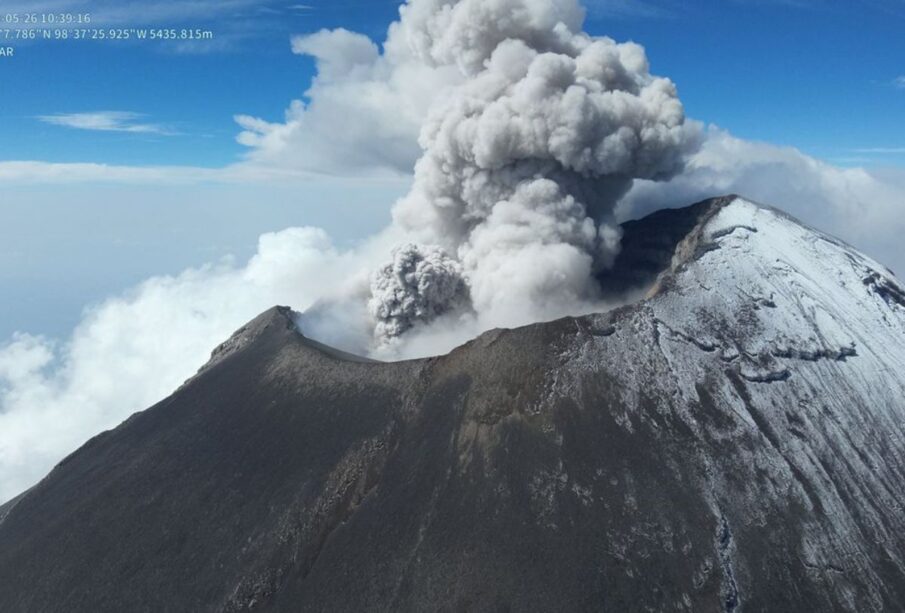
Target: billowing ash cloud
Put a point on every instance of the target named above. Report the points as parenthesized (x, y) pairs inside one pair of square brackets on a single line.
[(419, 285), (530, 131), (525, 159)]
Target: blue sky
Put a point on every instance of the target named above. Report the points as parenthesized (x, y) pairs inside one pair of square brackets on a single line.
[(816, 75), (194, 92), (819, 76)]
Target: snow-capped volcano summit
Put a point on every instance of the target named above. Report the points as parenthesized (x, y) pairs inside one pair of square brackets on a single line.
[(764, 293), (733, 441)]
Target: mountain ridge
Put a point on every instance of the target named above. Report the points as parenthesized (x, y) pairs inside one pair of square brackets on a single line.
[(732, 442)]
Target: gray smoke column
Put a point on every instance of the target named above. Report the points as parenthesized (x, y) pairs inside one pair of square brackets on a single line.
[(420, 284), (523, 163)]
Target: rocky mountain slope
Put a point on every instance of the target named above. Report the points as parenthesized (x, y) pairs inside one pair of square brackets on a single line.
[(733, 442)]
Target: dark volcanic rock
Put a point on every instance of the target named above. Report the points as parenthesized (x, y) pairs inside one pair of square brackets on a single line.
[(649, 244), (732, 443)]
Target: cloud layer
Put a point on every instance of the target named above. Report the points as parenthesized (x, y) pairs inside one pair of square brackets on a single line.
[(133, 350), (363, 111), (864, 208), (107, 121)]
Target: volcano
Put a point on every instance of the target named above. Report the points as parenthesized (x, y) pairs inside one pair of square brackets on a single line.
[(733, 441)]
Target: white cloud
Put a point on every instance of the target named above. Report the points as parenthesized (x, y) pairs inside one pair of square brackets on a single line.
[(53, 396), (31, 172), (37, 172), (107, 121), (864, 208), (899, 82), (363, 111)]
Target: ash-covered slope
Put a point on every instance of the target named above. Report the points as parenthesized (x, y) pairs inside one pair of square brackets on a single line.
[(735, 442)]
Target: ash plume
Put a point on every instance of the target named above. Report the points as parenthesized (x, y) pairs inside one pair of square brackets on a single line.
[(420, 284), (524, 160)]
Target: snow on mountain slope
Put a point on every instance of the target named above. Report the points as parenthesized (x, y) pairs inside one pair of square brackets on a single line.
[(794, 294), (800, 341), (733, 442)]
